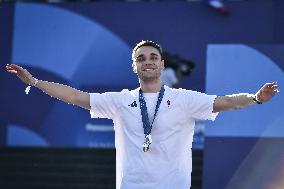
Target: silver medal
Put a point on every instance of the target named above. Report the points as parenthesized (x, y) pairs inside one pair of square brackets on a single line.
[(146, 144)]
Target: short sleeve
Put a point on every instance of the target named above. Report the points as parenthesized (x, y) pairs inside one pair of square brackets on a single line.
[(104, 105), (198, 105)]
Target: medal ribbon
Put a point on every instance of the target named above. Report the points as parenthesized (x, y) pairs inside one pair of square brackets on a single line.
[(144, 113)]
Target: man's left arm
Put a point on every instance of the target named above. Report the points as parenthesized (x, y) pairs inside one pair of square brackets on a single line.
[(242, 100)]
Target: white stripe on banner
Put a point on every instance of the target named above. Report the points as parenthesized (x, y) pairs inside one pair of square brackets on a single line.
[(99, 128)]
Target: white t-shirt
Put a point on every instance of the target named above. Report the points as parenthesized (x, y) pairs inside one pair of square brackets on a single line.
[(168, 162)]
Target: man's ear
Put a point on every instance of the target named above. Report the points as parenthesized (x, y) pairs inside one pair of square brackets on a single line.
[(134, 68), (162, 64)]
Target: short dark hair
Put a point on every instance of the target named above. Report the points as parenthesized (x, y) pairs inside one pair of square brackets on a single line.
[(147, 43)]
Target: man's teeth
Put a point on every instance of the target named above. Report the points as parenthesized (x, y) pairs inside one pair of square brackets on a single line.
[(148, 69)]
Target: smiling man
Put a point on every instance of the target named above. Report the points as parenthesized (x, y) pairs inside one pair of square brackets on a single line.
[(154, 124)]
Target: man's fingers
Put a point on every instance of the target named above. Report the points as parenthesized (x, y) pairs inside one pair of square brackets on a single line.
[(272, 89), (8, 66), (12, 71), (275, 86), (271, 84), (275, 91), (274, 82), (14, 66)]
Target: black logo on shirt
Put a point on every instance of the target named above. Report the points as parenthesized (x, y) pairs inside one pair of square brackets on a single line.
[(133, 104)]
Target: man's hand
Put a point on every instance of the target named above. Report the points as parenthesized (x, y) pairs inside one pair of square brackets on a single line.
[(59, 91), (267, 91), (242, 100), (22, 73)]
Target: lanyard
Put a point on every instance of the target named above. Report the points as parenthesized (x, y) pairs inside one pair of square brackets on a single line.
[(147, 126)]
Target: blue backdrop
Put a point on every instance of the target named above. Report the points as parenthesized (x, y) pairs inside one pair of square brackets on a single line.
[(88, 46), (245, 145)]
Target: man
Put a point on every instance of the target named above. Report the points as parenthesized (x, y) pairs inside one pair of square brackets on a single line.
[(153, 124)]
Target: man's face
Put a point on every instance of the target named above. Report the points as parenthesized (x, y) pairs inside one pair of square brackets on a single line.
[(147, 63)]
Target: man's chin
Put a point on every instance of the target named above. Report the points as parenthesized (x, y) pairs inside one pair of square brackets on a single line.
[(148, 79)]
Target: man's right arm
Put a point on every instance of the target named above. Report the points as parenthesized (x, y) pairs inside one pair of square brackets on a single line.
[(56, 90), (65, 93)]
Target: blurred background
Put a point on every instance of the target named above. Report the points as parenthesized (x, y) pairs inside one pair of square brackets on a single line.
[(213, 46)]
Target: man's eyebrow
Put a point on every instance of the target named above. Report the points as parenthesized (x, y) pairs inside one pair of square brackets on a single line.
[(139, 56), (154, 54)]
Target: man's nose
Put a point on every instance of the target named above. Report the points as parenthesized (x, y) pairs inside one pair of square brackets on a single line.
[(149, 62)]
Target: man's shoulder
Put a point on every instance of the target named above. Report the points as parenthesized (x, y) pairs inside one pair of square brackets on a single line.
[(176, 90), (182, 91), (122, 93), (129, 93)]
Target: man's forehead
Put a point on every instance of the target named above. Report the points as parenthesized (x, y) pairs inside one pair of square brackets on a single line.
[(146, 50)]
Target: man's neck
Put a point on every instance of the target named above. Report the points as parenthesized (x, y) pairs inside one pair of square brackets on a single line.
[(151, 86)]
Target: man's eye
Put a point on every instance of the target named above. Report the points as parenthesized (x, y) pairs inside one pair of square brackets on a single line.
[(140, 59), (154, 58)]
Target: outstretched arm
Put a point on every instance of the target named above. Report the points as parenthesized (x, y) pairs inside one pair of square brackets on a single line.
[(59, 91), (242, 100)]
